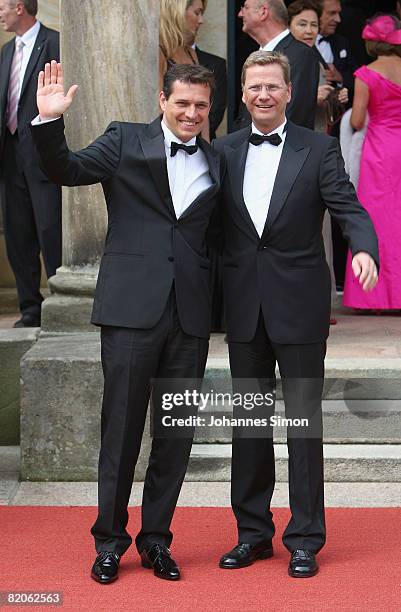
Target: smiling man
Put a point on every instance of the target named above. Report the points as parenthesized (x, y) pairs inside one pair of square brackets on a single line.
[(152, 297), (279, 181)]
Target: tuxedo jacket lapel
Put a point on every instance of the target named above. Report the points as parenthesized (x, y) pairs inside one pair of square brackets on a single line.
[(152, 143), (35, 55), (236, 160), (292, 159)]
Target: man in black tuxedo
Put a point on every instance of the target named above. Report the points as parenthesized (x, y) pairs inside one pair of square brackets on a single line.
[(335, 48), (266, 22), (152, 296), (31, 204), (280, 178)]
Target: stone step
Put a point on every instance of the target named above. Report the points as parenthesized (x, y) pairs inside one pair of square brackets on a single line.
[(343, 462), (61, 395), (14, 343), (350, 414), (344, 421)]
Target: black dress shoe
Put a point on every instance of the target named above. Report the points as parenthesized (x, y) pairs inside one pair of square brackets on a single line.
[(159, 558), (27, 320), (303, 564), (105, 568), (245, 554)]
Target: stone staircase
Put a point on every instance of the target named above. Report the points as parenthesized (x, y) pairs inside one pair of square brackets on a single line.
[(62, 386)]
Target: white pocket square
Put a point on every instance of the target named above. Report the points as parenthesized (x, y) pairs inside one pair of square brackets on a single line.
[(343, 53)]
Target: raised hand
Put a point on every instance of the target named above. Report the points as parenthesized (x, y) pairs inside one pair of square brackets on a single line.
[(51, 100)]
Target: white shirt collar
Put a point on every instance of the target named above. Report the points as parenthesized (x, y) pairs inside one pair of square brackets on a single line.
[(279, 130), (270, 46), (30, 35), (169, 137)]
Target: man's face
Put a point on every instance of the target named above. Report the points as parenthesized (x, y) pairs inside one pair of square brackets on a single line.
[(331, 17), (250, 13), (266, 96), (186, 110), (9, 15)]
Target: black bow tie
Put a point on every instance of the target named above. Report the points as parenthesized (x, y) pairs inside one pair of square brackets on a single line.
[(190, 149), (273, 139), (324, 39)]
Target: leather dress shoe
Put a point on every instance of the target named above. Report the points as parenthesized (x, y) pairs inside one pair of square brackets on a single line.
[(105, 568), (245, 554), (303, 564), (28, 320), (159, 558)]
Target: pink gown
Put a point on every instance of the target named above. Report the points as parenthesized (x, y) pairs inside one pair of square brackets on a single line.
[(379, 191)]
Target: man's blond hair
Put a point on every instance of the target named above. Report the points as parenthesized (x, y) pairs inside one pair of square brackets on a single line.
[(267, 58)]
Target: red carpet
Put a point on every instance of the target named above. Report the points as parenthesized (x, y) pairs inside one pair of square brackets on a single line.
[(50, 549)]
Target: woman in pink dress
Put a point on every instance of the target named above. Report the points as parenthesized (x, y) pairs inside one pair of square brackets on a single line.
[(378, 93)]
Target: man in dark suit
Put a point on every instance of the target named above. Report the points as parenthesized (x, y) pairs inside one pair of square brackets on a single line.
[(152, 297), (335, 48), (266, 22), (31, 204), (218, 66), (280, 178)]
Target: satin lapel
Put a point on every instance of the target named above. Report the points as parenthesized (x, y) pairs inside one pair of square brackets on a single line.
[(6, 67), (152, 143), (236, 160), (292, 159), (37, 51), (214, 171), (212, 160)]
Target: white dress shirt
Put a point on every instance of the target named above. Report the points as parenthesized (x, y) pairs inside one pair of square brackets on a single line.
[(188, 175), (325, 50), (28, 39), (260, 174), (271, 45)]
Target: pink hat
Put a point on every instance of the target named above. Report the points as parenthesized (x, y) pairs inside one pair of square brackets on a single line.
[(382, 29)]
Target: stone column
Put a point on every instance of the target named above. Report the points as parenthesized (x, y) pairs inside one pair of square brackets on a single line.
[(110, 49)]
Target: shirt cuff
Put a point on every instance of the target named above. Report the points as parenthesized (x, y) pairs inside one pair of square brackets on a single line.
[(38, 120)]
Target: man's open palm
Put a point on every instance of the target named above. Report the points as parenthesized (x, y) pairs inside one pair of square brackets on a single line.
[(51, 100)]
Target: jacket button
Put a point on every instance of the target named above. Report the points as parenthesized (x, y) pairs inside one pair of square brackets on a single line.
[(175, 225), (171, 258)]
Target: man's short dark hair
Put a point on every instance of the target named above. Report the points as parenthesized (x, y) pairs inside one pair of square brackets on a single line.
[(187, 73), (31, 6)]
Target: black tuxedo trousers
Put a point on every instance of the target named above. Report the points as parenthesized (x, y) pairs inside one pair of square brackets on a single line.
[(130, 359), (253, 471)]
